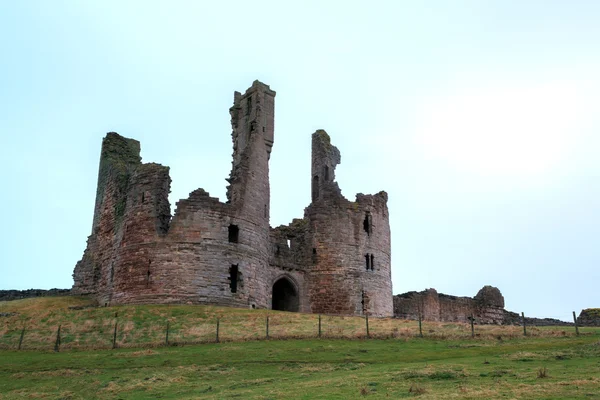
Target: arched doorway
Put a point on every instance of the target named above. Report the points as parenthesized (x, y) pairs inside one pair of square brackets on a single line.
[(285, 296)]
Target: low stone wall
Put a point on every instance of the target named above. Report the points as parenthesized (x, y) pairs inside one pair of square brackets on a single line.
[(487, 307), (7, 295), (589, 317), (513, 318)]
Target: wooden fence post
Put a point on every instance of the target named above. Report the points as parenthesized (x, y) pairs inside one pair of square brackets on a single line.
[(217, 330), (319, 325), (576, 327), (367, 322), (420, 327), (524, 324), (267, 327), (472, 327), (21, 338), (114, 344), (167, 335), (57, 343)]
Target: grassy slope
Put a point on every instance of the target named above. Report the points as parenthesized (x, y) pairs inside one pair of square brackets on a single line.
[(455, 367), (309, 369), (146, 325)]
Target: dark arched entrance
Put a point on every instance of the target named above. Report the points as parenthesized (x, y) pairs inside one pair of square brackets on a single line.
[(285, 296)]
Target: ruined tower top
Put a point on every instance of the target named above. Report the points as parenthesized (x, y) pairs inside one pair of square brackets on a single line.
[(252, 122), (325, 157)]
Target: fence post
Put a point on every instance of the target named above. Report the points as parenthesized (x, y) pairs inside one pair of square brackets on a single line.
[(576, 327), (267, 327), (21, 338), (367, 322), (57, 343), (319, 325), (420, 327), (472, 327), (217, 330), (524, 324), (114, 344), (167, 335)]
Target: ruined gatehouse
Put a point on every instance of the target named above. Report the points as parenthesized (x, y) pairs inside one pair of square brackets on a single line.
[(334, 260)]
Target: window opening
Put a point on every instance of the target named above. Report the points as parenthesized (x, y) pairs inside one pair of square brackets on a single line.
[(234, 233), (372, 262), (368, 223), (326, 173), (315, 188), (367, 262), (362, 300), (314, 255), (143, 197), (289, 243), (148, 273), (248, 105), (233, 278)]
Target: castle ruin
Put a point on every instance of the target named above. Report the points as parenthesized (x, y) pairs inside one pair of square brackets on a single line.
[(335, 260)]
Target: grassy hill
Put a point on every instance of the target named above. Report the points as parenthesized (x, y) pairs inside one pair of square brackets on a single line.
[(550, 363), (83, 326)]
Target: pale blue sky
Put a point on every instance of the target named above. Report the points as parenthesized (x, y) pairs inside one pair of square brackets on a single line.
[(479, 118)]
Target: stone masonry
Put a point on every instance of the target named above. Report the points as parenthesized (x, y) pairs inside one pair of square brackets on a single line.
[(487, 307), (334, 260)]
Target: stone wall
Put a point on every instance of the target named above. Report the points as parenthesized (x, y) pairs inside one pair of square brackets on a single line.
[(335, 260), (589, 317), (8, 295), (487, 307)]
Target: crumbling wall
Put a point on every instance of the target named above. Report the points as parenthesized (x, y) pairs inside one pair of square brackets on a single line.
[(119, 158), (487, 307), (589, 317)]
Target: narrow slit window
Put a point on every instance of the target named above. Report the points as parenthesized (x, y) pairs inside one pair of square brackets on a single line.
[(233, 278), (368, 224), (234, 233), (372, 262), (367, 262), (326, 173), (248, 105), (289, 243), (148, 273), (314, 255)]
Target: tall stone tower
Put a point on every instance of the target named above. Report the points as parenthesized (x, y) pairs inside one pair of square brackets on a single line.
[(352, 272)]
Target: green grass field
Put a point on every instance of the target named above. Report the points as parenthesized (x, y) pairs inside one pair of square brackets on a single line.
[(552, 363)]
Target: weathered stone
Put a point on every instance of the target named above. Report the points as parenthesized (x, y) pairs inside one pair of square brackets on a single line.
[(589, 317), (335, 260), (487, 307)]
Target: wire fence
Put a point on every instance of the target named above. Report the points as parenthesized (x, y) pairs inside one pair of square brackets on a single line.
[(105, 332)]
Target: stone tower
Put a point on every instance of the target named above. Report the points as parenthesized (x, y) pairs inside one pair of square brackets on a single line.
[(352, 242)]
